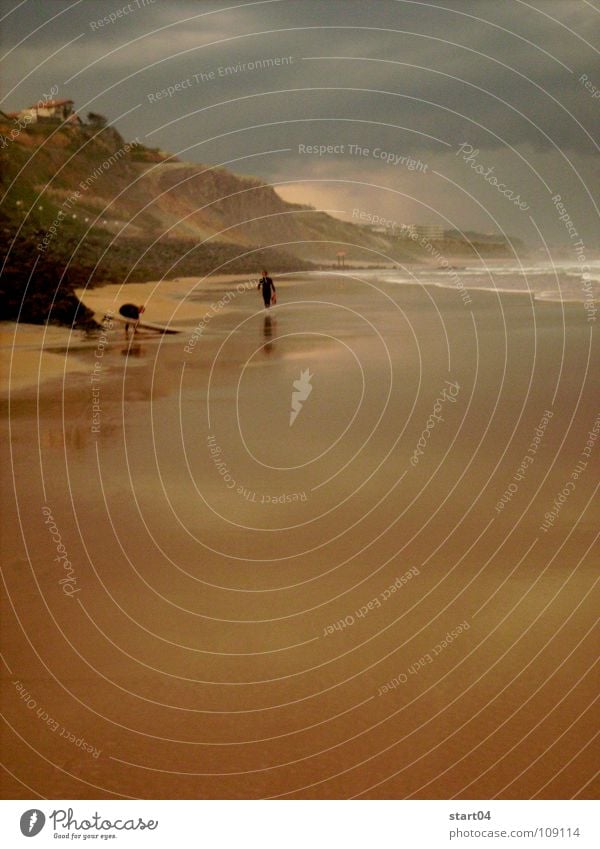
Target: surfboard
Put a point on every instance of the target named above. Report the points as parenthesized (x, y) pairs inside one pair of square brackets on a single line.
[(144, 325)]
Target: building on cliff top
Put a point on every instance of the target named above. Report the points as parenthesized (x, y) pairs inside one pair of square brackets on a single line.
[(52, 111)]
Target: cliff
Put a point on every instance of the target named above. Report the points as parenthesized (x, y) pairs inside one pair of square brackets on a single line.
[(80, 206)]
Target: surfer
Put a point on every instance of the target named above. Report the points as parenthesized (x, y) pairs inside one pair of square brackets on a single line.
[(268, 290), (133, 312)]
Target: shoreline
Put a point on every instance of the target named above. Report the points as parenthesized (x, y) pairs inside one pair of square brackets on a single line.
[(33, 354), (181, 493)]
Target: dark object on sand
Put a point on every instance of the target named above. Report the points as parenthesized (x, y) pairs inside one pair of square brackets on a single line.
[(131, 311)]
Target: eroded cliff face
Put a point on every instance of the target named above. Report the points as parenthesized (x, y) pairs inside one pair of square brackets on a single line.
[(130, 191), (82, 207)]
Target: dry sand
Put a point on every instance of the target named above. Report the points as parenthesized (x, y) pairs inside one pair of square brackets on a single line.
[(252, 609), (164, 300), (32, 354)]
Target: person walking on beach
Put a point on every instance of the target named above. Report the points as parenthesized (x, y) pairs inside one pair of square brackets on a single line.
[(268, 289), (133, 312)]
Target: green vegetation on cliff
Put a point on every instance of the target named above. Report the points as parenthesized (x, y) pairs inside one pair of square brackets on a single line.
[(80, 207), (75, 213)]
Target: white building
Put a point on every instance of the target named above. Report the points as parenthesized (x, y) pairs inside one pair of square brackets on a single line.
[(50, 110), (431, 232)]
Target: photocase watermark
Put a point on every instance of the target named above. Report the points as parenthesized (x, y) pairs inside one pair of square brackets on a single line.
[(302, 389), (264, 498), (22, 122), (69, 582), (62, 214), (32, 822), (108, 163), (53, 724), (66, 820), (589, 303), (410, 231), (469, 155), (216, 454), (75, 196), (373, 604), (375, 220), (526, 462), (443, 263), (389, 157), (122, 12), (594, 90), (449, 393), (215, 308), (424, 661), (107, 324), (568, 489), (221, 72)]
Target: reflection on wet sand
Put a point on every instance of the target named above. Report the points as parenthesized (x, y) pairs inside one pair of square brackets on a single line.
[(243, 583), (269, 327), (134, 349)]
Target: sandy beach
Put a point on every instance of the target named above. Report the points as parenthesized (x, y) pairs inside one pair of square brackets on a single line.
[(389, 594)]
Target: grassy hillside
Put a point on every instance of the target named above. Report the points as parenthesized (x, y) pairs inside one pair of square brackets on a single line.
[(129, 191), (73, 213), (79, 206)]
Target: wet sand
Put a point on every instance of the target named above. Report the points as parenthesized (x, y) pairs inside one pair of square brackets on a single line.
[(363, 603)]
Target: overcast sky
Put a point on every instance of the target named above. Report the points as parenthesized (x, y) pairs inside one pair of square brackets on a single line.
[(393, 77)]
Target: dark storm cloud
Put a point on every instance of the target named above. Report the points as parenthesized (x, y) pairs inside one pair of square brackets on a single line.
[(504, 77)]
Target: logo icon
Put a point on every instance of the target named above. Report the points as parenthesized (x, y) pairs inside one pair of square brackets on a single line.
[(303, 390), (32, 822)]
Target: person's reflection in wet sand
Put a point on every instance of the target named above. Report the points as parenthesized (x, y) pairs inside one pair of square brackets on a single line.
[(133, 350), (269, 326), (142, 383)]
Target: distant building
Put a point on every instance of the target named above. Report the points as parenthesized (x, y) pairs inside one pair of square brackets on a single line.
[(407, 231), (427, 232), (54, 111), (431, 232)]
